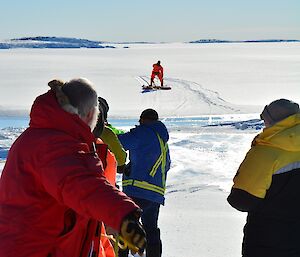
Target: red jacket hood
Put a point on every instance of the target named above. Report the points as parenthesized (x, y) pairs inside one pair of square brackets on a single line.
[(48, 114)]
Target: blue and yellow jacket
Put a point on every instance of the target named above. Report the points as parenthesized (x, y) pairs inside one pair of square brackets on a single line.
[(274, 151), (267, 187), (149, 161)]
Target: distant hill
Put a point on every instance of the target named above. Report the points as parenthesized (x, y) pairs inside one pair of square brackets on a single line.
[(207, 41), (65, 42), (13, 111), (60, 39), (51, 42)]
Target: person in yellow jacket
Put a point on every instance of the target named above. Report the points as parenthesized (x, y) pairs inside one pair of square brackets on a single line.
[(109, 137), (113, 158), (109, 163), (267, 185)]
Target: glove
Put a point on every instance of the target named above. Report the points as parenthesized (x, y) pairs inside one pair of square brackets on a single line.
[(133, 232), (127, 169), (120, 169)]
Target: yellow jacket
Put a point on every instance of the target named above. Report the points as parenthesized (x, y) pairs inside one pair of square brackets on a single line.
[(274, 151), (111, 139)]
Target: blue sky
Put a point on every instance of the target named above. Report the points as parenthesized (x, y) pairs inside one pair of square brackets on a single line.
[(145, 20)]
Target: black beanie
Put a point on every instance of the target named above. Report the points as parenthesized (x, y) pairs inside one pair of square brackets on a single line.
[(279, 110), (104, 106), (149, 114)]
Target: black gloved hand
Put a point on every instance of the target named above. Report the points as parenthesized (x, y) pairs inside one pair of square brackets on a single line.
[(127, 169), (132, 231), (120, 169)]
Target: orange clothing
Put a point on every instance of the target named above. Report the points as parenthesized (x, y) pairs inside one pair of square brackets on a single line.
[(109, 161), (110, 170), (158, 71), (160, 77), (105, 248)]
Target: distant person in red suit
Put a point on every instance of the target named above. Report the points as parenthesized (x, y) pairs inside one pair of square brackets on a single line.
[(158, 71)]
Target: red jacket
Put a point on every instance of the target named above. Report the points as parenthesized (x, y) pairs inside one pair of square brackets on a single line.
[(52, 191)]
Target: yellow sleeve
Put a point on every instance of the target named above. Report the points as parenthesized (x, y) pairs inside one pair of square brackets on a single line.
[(255, 172), (111, 139)]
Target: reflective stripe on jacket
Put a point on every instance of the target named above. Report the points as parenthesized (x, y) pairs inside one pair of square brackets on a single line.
[(268, 182)]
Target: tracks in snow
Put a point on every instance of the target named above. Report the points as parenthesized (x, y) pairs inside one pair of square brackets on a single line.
[(191, 89)]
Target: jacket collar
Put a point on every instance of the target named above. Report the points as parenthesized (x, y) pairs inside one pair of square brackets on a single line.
[(280, 126)]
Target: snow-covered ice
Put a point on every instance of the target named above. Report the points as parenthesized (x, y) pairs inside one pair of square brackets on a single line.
[(241, 74), (212, 113)]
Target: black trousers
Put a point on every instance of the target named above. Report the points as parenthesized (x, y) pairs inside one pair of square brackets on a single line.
[(150, 222)]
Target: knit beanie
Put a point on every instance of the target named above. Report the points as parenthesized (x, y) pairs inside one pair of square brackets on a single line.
[(279, 110), (104, 106), (149, 114)]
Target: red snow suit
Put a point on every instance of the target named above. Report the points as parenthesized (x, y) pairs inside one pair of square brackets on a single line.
[(157, 71), (52, 191)]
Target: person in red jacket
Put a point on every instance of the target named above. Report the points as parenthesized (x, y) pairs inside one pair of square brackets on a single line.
[(52, 190), (158, 71)]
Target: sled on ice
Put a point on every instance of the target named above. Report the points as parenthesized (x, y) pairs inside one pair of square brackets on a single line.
[(156, 87), (147, 88)]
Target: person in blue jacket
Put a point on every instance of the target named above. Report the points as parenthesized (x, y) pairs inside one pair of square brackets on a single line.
[(144, 179)]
